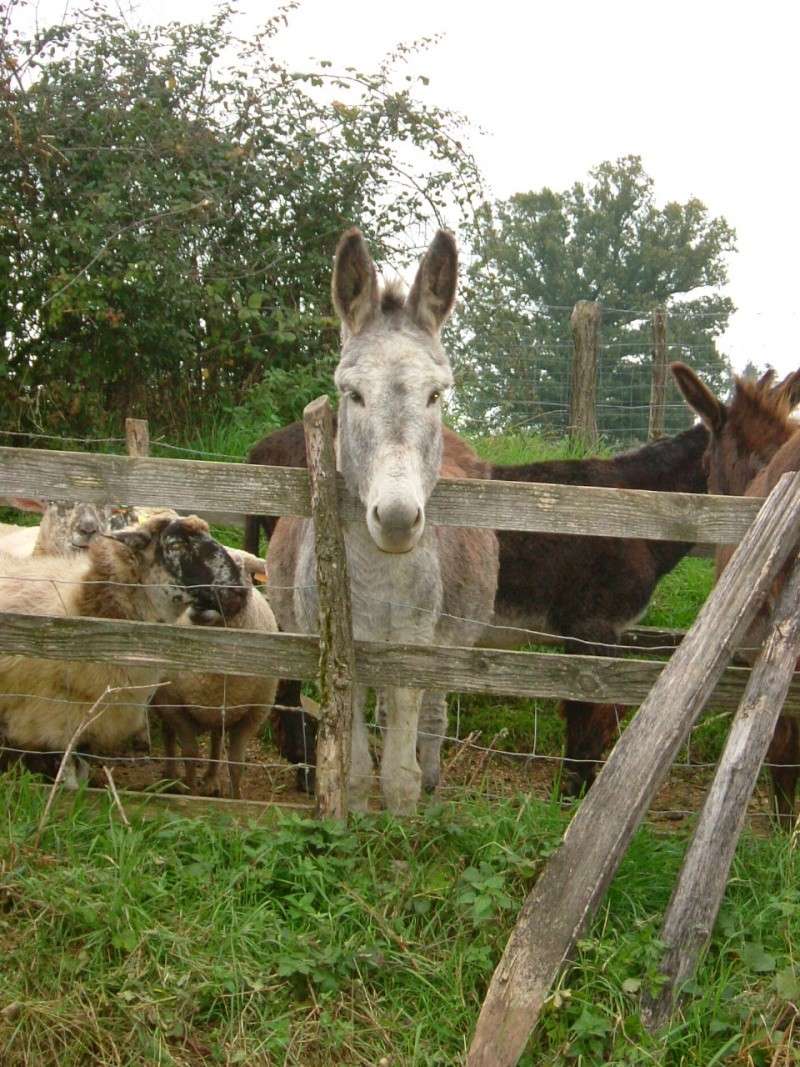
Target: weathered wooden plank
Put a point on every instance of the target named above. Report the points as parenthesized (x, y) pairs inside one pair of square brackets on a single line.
[(465, 670), (585, 322), (700, 888), (591, 510), (145, 804), (575, 878), (137, 437), (336, 656), (241, 488), (183, 484), (658, 380), (652, 637)]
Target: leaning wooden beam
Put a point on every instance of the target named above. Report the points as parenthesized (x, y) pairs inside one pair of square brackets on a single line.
[(336, 656), (698, 893), (245, 488), (576, 877), (448, 668)]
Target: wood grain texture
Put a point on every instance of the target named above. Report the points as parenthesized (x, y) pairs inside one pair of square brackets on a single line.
[(244, 488), (466, 670), (658, 380), (146, 805), (574, 880), (698, 893), (585, 322), (137, 437), (336, 656)]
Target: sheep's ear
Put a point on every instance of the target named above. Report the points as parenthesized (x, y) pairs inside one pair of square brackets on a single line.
[(354, 286), (252, 565), (136, 539), (23, 503), (699, 397), (433, 293), (157, 524)]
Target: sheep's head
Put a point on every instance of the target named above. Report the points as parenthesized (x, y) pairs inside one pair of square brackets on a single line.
[(179, 564), (69, 526)]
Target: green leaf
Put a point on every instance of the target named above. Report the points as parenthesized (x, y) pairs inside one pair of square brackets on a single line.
[(787, 984), (756, 959)]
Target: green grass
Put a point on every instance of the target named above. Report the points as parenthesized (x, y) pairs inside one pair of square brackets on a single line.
[(191, 942), (197, 941), (680, 594), (533, 448)]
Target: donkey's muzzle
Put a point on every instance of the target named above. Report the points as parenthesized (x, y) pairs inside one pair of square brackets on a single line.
[(397, 525)]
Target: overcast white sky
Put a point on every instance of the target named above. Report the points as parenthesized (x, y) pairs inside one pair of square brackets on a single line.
[(706, 92)]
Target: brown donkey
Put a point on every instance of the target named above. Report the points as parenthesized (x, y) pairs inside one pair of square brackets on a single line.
[(753, 442)]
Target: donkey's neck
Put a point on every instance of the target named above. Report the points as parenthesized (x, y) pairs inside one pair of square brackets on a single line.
[(396, 597), (670, 465)]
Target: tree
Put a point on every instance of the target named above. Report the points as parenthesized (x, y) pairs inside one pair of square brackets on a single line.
[(170, 198), (606, 240)]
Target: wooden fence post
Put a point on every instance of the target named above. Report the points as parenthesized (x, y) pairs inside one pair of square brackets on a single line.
[(137, 437), (336, 655), (585, 322), (571, 885), (658, 383), (698, 893)]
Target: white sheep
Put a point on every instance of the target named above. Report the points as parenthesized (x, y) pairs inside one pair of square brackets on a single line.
[(151, 572), (65, 527), (194, 704)]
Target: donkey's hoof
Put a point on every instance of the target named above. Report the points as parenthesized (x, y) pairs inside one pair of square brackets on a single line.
[(430, 780)]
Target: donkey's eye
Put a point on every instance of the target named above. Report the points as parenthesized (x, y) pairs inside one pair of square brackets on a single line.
[(435, 395), (356, 397)]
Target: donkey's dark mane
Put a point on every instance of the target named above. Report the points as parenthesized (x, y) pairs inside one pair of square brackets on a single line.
[(759, 417)]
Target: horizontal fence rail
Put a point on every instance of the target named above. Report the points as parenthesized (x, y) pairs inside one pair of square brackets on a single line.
[(241, 488), (440, 667)]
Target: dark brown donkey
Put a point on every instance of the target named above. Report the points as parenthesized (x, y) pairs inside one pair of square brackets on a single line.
[(753, 442), (588, 589)]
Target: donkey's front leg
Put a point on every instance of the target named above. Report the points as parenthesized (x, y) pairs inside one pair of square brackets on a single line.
[(400, 774), (432, 730), (361, 768)]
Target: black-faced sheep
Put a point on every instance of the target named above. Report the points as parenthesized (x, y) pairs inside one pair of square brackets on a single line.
[(152, 572), (238, 705)]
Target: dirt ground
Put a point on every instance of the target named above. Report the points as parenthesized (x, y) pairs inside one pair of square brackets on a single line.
[(466, 772)]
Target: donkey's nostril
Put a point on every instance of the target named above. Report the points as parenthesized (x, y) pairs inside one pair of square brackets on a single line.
[(418, 519), (376, 514)]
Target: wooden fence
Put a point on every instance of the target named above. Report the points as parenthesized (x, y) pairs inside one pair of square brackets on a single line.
[(577, 875), (586, 323)]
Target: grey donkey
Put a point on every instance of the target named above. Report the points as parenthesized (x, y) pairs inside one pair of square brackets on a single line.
[(411, 582)]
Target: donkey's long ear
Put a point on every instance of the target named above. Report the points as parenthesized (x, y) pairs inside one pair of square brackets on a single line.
[(699, 397), (789, 389), (434, 290), (354, 285)]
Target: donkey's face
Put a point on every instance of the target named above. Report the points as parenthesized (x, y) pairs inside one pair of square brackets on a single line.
[(391, 377), (744, 434)]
